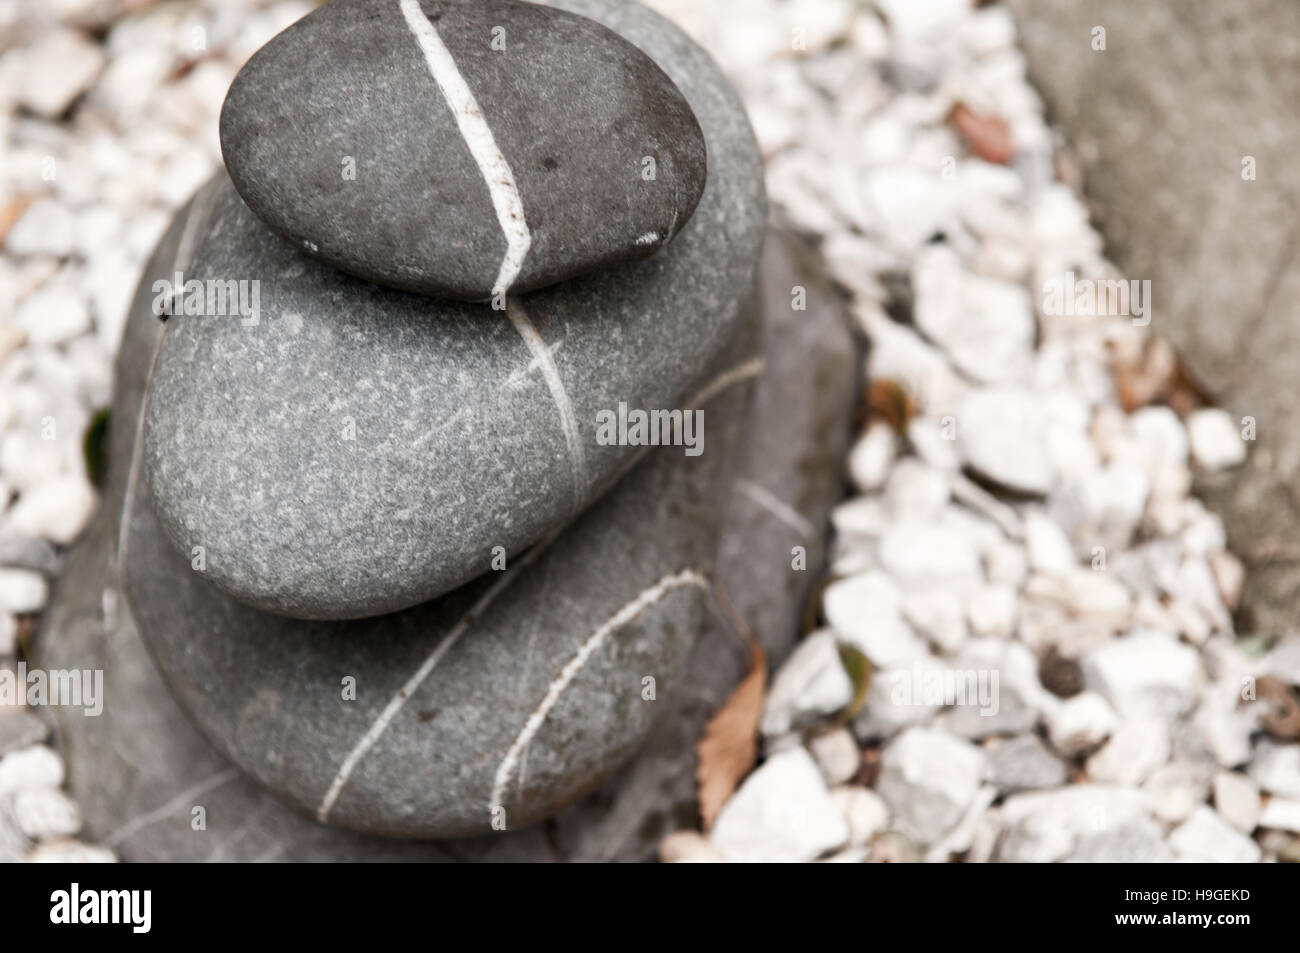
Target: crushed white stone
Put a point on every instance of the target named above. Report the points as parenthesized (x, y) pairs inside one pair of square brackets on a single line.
[(1025, 507), (782, 812)]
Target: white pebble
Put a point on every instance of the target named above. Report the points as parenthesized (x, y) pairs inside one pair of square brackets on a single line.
[(865, 610), (1080, 723), (1281, 814), (1135, 750), (46, 813), (1207, 837), (46, 228), (685, 847), (70, 852), (837, 754), (929, 779), (37, 766), (56, 70), (812, 682), (917, 491), (1236, 798), (57, 510), (1277, 768), (1145, 675), (1216, 441), (872, 456), (1000, 432), (1177, 789), (863, 810), (992, 611), (22, 590), (1047, 545), (782, 812), (927, 550), (53, 315)]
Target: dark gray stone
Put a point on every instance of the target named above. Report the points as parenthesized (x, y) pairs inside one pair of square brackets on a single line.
[(141, 768), (1161, 122), (339, 136), (459, 443)]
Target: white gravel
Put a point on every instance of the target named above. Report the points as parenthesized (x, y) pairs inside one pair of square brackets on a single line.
[(108, 118), (1024, 525), (783, 812)]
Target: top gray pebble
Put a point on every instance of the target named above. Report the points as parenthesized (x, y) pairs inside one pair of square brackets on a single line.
[(462, 149)]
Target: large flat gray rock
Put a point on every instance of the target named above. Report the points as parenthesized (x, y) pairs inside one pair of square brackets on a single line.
[(1162, 120)]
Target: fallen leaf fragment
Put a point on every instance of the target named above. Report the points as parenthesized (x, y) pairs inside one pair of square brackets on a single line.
[(1283, 717), (729, 747), (1157, 375), (859, 670), (988, 137), (888, 400), (10, 212)]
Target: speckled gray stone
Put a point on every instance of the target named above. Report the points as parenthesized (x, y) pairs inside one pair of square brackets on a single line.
[(340, 136), (360, 450), (141, 768)]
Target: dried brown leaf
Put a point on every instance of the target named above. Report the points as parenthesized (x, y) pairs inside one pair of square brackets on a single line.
[(1283, 716), (1157, 375), (10, 212), (889, 401), (729, 747), (988, 137)]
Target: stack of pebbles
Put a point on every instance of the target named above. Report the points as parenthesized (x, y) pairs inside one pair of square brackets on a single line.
[(383, 506)]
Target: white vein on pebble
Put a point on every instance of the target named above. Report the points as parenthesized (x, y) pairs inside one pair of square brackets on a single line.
[(734, 375), (535, 364), (781, 510), (568, 420), (642, 601), (184, 255), (396, 703), (182, 800), (482, 145)]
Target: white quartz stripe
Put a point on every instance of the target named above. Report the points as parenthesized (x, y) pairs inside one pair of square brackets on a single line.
[(645, 599), (482, 145), (185, 248), (568, 420), (396, 703), (184, 800), (733, 375), (777, 507)]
